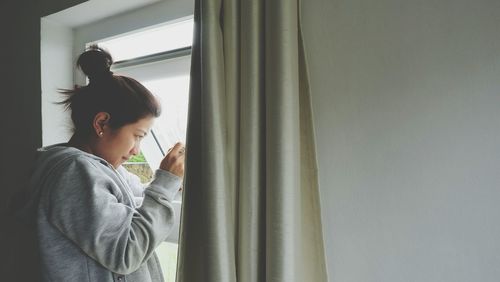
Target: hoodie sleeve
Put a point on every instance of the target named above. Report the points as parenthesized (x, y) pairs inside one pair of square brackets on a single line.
[(85, 205)]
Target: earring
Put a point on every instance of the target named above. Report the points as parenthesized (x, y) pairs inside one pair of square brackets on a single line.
[(101, 133)]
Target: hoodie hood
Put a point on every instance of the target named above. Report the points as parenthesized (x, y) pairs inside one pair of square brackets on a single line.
[(47, 159)]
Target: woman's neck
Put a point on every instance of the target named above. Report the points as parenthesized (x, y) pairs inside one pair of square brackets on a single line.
[(79, 143)]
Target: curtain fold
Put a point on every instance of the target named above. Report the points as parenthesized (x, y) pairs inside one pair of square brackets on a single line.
[(250, 204)]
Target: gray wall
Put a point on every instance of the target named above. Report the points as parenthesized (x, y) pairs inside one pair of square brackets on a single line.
[(20, 107), (21, 124), (406, 97)]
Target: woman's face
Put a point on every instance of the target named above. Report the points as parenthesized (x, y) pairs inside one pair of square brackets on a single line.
[(116, 146)]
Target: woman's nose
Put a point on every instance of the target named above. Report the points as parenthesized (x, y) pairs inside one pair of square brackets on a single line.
[(136, 150)]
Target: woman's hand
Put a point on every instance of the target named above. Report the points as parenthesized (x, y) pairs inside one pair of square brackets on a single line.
[(174, 160)]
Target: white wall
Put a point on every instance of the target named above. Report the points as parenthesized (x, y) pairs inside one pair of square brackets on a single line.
[(407, 117), (57, 67)]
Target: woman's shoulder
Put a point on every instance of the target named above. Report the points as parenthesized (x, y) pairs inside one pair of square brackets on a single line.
[(66, 169), (62, 158)]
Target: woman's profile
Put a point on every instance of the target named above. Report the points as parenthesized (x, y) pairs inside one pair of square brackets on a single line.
[(94, 220)]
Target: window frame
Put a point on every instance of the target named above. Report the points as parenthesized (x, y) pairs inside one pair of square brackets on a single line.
[(68, 30)]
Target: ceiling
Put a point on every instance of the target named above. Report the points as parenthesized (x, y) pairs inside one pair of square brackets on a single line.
[(95, 10)]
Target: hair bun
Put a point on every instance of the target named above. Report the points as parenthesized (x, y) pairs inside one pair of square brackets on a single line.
[(95, 62)]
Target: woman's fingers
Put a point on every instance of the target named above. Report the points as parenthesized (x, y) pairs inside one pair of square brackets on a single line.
[(178, 147), (174, 160)]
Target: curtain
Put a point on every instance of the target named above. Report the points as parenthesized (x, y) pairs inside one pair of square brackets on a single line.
[(250, 204)]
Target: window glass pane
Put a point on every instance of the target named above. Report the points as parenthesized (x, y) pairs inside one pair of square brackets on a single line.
[(173, 93), (169, 81), (151, 41), (167, 254)]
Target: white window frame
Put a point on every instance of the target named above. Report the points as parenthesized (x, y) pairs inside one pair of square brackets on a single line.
[(64, 35)]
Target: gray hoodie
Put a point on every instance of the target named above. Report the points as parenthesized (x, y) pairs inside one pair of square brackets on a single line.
[(95, 223)]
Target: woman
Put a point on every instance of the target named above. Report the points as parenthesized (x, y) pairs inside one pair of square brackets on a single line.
[(95, 221)]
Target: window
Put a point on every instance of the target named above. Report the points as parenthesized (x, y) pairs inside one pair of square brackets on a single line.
[(119, 25), (163, 66), (162, 38)]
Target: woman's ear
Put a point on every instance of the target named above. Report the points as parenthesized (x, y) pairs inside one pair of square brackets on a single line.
[(100, 122)]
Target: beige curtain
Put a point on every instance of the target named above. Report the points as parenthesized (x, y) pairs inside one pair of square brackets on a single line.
[(250, 205)]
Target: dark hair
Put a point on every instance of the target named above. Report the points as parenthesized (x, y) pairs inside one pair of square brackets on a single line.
[(125, 99)]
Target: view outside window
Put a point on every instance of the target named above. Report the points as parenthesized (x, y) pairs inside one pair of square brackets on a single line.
[(169, 128), (138, 166)]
